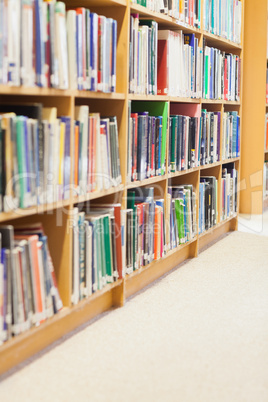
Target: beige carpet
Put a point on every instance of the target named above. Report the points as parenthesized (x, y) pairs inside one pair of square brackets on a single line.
[(198, 335)]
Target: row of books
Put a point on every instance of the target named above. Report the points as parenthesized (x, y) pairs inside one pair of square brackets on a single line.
[(195, 141), (146, 135), (35, 156), (229, 191), (221, 75), (143, 225), (210, 137), (41, 44), (184, 142), (45, 175), (143, 45), (180, 64), (28, 287), (223, 18), (181, 215), (147, 131), (231, 135), (96, 152), (208, 203), (97, 248), (186, 11)]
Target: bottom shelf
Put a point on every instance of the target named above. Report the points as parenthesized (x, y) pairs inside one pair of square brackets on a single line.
[(34, 340)]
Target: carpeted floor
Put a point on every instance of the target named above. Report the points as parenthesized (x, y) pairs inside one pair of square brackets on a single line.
[(198, 335)]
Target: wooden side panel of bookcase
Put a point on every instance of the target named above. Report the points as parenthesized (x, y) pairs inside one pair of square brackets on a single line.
[(253, 98)]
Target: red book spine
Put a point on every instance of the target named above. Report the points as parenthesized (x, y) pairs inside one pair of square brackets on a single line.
[(162, 69)]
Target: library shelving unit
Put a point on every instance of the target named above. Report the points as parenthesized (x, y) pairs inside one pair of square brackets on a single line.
[(56, 217)]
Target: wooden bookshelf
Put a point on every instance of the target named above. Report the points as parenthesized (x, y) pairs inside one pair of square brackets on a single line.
[(59, 236)]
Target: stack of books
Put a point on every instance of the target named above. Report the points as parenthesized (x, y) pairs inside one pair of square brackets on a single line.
[(181, 215), (143, 228), (185, 11), (143, 56), (41, 44), (147, 131), (28, 286), (96, 152), (184, 142), (179, 67), (229, 191), (35, 164), (210, 137), (231, 135), (208, 203), (223, 18), (97, 248), (221, 75)]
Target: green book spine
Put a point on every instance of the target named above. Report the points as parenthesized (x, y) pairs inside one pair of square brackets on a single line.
[(98, 253), (180, 219), (103, 253), (107, 247)]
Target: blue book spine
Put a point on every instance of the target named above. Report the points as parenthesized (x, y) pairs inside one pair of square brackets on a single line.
[(39, 44), (238, 137), (114, 45)]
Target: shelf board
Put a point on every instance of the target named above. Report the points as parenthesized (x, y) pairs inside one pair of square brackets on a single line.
[(210, 165), (219, 41), (96, 3), (182, 172), (209, 231), (162, 98), (36, 91), (184, 100), (98, 95), (157, 268), (163, 20), (34, 210), (230, 160), (219, 102), (33, 91), (97, 194), (35, 339), (146, 182)]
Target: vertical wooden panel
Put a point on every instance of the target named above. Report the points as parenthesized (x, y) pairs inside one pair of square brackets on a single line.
[(253, 98)]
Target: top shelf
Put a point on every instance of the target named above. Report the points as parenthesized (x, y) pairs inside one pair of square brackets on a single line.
[(96, 3), (168, 22)]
